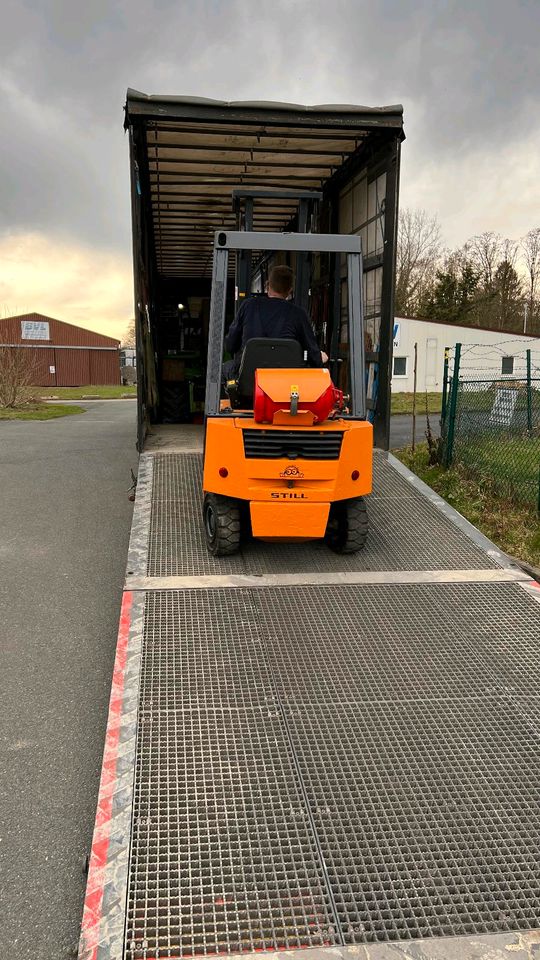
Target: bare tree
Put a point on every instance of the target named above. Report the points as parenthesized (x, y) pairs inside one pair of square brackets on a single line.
[(129, 339), (418, 253), (530, 245), (6, 311), (18, 367), (510, 251), (486, 252)]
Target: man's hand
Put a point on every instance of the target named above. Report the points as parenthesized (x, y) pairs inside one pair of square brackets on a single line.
[(324, 357)]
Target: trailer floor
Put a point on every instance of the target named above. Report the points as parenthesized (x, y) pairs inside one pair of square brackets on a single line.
[(305, 751)]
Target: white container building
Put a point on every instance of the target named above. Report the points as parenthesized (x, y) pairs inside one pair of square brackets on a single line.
[(503, 355)]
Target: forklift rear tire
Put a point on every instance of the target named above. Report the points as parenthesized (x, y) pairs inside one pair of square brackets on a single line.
[(221, 524), (347, 528)]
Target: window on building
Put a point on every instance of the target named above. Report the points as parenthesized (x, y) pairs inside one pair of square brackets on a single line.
[(507, 365), (400, 366)]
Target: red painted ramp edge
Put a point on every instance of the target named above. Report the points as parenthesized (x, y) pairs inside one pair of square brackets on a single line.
[(99, 857)]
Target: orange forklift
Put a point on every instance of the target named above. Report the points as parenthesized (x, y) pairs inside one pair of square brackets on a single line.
[(285, 451)]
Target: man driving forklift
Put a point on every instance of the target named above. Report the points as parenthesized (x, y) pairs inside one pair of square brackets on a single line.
[(274, 316)]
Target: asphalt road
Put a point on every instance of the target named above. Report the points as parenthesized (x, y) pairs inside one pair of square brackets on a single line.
[(401, 429), (64, 529)]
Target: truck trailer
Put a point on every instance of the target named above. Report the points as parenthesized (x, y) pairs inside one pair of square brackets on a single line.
[(198, 166)]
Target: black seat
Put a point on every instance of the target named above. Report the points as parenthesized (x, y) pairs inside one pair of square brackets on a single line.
[(265, 353)]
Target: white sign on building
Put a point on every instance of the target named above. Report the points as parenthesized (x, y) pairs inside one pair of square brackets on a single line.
[(503, 407), (397, 332), (35, 330)]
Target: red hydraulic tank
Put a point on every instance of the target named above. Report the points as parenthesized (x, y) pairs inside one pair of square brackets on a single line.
[(308, 394)]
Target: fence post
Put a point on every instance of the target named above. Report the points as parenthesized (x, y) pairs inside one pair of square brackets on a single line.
[(449, 446), (444, 385), (529, 393)]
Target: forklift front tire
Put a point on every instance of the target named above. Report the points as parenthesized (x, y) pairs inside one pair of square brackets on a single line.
[(221, 524), (347, 528)]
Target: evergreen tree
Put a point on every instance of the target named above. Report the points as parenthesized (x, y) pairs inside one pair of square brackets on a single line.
[(508, 297), (452, 297)]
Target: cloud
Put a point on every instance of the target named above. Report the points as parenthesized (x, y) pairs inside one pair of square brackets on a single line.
[(467, 74), (78, 284), (60, 176), (472, 192)]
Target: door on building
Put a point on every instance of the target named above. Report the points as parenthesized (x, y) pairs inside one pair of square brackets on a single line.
[(431, 363), (44, 374)]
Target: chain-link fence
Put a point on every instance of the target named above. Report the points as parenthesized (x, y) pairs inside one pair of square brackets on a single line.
[(491, 416)]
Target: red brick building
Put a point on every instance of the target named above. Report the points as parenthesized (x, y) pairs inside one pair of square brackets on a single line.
[(64, 355)]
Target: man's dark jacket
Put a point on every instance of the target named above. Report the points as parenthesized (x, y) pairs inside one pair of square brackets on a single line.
[(274, 318)]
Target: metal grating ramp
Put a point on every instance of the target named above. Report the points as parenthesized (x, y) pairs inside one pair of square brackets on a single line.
[(334, 765), (406, 532), (435, 829), (224, 858)]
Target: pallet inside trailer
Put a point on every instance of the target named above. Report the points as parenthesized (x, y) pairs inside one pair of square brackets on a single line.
[(308, 751)]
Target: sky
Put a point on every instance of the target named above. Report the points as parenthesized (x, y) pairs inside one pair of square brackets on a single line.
[(466, 71)]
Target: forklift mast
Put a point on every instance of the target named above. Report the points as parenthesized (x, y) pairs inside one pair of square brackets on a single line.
[(243, 205)]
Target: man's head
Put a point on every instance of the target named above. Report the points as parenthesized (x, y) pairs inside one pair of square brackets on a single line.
[(280, 282)]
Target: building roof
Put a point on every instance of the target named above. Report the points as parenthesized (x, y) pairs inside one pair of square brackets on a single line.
[(60, 332), (470, 326)]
